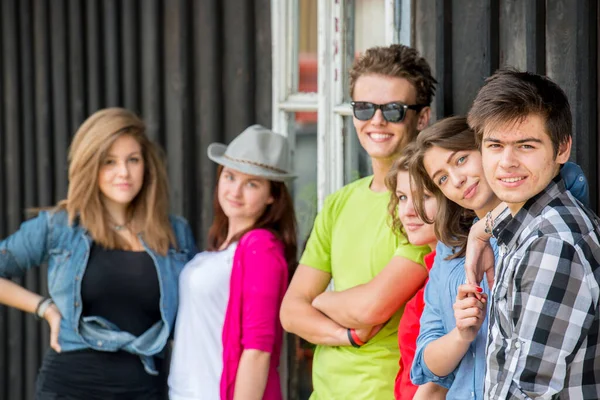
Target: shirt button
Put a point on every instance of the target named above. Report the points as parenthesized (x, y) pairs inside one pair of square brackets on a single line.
[(517, 345), (99, 343), (472, 394), (581, 179), (76, 277), (76, 304)]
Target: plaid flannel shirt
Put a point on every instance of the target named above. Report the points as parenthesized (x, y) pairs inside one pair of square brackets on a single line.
[(544, 329)]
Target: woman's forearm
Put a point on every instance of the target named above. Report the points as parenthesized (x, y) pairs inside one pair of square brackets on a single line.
[(16, 296), (443, 355), (430, 391), (252, 375)]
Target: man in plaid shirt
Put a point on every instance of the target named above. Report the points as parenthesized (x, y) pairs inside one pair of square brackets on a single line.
[(544, 316)]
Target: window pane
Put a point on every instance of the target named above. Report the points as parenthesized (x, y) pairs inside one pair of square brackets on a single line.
[(303, 130), (307, 46), (365, 28), (369, 24), (357, 163)]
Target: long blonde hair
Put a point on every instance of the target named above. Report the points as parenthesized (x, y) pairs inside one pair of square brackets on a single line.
[(148, 211)]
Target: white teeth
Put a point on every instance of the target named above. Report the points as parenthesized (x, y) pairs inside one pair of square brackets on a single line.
[(380, 136), (512, 180)]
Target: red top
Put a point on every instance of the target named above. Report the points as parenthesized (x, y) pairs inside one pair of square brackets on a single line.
[(408, 331)]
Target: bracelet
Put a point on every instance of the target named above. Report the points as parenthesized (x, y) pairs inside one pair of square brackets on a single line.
[(355, 341), (42, 306), (489, 224)]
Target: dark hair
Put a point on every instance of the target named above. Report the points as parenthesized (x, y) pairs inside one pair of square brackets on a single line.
[(397, 61), (279, 218), (452, 222), (510, 96)]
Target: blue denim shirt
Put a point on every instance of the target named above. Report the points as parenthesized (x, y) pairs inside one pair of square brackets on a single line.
[(466, 381), (437, 320), (66, 248)]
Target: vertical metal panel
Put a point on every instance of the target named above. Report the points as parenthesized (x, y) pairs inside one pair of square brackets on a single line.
[(151, 46), (177, 100), (10, 155), (262, 56), (567, 64), (443, 60), (207, 119), (585, 119), (513, 30), (31, 355), (430, 21), (43, 136), (111, 59), (94, 66), (238, 63), (131, 54), (474, 55), (535, 13), (60, 101), (75, 66), (42, 110)]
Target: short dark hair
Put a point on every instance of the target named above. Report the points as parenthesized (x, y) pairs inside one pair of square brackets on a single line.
[(397, 61), (510, 96)]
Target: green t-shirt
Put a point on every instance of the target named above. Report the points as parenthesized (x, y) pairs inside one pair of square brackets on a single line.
[(352, 240)]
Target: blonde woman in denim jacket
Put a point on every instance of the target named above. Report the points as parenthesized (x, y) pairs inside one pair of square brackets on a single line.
[(114, 256)]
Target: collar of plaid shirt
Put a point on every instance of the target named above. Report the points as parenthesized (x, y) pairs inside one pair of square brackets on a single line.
[(509, 231)]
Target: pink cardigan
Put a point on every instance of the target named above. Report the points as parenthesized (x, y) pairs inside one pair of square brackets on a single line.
[(259, 279)]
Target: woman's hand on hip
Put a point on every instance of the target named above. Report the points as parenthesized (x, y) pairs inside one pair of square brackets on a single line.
[(52, 315)]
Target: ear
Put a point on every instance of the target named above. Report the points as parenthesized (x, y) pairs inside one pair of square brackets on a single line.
[(424, 117), (270, 200), (564, 151)]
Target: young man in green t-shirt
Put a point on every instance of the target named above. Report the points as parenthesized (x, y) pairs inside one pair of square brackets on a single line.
[(374, 272)]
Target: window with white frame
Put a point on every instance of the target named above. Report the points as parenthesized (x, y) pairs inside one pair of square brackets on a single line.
[(314, 43)]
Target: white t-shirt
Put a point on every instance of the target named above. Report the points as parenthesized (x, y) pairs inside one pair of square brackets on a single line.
[(197, 362)]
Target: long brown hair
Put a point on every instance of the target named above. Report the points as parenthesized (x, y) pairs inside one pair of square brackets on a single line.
[(402, 163), (279, 218), (148, 211), (452, 222)]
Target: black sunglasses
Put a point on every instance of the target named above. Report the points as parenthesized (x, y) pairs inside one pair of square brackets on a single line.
[(392, 112)]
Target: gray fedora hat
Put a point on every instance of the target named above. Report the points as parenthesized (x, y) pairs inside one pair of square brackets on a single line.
[(256, 151)]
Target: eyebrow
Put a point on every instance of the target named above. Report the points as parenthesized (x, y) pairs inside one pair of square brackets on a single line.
[(447, 162), (521, 141), (128, 155)]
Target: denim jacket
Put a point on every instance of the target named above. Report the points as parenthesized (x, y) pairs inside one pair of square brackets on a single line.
[(66, 248)]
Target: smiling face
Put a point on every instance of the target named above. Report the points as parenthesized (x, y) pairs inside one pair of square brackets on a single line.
[(382, 139), (243, 197), (460, 176), (418, 232), (121, 173), (519, 161)]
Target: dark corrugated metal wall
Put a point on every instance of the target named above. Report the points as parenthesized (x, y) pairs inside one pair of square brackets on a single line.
[(196, 71), (467, 40)]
